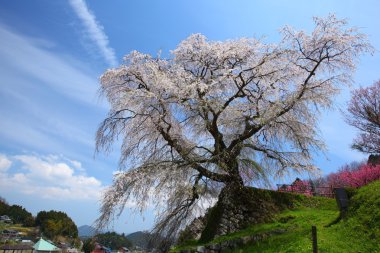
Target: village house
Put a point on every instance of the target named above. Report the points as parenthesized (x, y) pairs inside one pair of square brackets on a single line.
[(67, 248), (10, 234), (17, 248), (100, 249), (122, 250), (43, 246), (5, 219)]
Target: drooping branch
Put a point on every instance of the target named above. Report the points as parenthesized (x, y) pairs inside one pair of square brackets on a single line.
[(215, 110)]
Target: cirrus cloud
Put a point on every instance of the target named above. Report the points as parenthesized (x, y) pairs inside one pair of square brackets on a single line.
[(94, 30)]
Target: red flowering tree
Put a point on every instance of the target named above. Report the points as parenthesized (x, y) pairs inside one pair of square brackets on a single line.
[(355, 178), (299, 186), (302, 186), (351, 175)]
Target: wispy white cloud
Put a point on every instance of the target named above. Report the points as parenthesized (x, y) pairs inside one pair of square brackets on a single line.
[(49, 101), (5, 163), (26, 63), (94, 30), (47, 177)]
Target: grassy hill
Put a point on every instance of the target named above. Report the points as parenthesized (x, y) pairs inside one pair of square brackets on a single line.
[(290, 230)]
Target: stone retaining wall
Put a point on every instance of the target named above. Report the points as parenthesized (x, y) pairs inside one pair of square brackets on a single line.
[(232, 244)]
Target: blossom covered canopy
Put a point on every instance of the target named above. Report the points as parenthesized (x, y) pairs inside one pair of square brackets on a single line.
[(221, 113)]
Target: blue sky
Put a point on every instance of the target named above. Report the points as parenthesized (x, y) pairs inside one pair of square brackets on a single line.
[(53, 52)]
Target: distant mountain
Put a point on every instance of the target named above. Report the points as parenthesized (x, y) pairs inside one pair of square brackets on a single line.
[(86, 231), (139, 238)]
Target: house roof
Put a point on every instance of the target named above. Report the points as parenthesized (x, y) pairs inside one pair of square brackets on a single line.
[(43, 245), (16, 247), (10, 231)]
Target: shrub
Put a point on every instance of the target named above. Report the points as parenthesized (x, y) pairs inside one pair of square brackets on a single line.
[(299, 186), (364, 175), (349, 176)]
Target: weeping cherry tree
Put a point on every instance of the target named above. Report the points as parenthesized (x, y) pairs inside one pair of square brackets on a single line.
[(216, 116)]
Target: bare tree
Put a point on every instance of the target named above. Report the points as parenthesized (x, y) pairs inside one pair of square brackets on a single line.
[(220, 115), (363, 113)]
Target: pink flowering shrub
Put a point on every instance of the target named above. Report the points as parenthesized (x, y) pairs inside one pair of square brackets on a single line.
[(303, 186), (298, 186), (348, 176), (354, 178)]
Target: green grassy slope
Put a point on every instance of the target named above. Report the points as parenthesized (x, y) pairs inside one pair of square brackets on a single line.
[(358, 231)]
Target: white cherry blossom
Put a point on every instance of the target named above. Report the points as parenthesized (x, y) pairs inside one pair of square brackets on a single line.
[(220, 113)]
